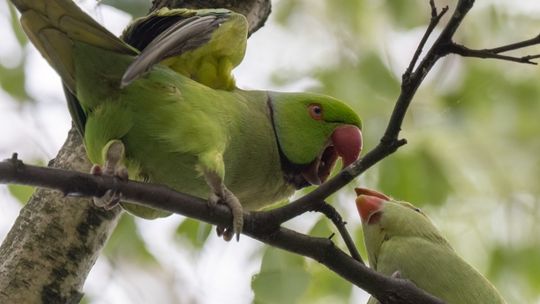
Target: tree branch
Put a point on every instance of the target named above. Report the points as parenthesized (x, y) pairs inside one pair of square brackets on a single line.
[(256, 11), (493, 53), (256, 224), (435, 19), (330, 212)]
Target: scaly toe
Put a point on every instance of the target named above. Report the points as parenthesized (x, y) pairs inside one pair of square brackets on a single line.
[(220, 230), (122, 173), (109, 200), (96, 170), (228, 235), (237, 212), (213, 200)]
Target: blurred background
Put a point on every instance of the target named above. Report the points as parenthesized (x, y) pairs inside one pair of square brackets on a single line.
[(472, 162)]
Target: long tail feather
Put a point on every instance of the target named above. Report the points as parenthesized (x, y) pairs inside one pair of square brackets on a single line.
[(54, 25)]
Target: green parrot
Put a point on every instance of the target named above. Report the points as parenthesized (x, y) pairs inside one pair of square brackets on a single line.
[(162, 106), (401, 240)]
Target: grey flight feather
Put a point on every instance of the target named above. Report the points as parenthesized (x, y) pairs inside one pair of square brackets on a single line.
[(181, 37)]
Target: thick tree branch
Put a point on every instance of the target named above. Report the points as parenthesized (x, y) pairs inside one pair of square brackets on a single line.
[(73, 183), (256, 11)]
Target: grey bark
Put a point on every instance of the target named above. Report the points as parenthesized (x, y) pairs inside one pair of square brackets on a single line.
[(55, 241), (256, 11)]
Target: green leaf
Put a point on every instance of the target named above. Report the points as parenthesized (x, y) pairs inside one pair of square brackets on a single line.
[(326, 287), (282, 279), (322, 228), (126, 243), (521, 260), (16, 26), (405, 13), (12, 81), (366, 81), (194, 231), (21, 192), (283, 11)]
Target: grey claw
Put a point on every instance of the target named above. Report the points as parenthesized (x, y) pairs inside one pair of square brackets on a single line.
[(109, 200)]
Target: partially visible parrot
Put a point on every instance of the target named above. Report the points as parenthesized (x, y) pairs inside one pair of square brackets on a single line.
[(400, 239), (163, 106)]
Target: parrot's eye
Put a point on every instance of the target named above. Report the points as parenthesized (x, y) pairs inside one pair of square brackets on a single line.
[(315, 111)]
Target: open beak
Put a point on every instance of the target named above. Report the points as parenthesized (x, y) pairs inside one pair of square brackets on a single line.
[(345, 142), (369, 204)]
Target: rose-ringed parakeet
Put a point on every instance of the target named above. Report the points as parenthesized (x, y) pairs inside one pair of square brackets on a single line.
[(399, 238), (163, 104)]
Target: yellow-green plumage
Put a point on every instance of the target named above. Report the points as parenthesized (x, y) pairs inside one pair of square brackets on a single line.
[(179, 115), (399, 237)]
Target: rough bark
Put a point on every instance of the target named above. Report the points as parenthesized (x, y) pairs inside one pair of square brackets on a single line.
[(56, 240), (256, 11)]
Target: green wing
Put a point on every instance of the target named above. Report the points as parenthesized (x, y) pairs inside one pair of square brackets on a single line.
[(55, 25), (213, 44), (204, 45)]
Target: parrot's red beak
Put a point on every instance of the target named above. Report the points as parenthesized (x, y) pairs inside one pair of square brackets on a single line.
[(369, 203), (345, 142)]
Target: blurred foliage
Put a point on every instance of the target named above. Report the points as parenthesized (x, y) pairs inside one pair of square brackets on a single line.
[(195, 232), (472, 133), (12, 81), (283, 277), (12, 78), (21, 192), (126, 244), (402, 171)]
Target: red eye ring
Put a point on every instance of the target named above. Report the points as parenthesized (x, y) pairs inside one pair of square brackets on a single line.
[(315, 111)]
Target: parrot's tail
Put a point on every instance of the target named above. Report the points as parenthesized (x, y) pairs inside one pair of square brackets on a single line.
[(54, 25)]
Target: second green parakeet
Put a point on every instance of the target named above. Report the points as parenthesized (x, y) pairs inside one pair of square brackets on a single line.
[(401, 239), (163, 103)]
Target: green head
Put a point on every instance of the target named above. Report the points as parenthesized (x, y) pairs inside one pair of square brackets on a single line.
[(384, 218), (313, 131)]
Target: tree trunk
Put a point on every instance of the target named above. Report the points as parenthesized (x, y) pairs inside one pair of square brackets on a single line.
[(56, 240)]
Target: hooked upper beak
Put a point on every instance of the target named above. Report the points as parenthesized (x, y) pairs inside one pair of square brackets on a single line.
[(345, 142)]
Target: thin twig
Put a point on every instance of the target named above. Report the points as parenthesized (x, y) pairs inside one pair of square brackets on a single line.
[(488, 53), (330, 212), (435, 19), (515, 46)]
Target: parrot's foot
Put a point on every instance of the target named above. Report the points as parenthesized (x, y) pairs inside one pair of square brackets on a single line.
[(223, 195), (114, 154), (229, 199)]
